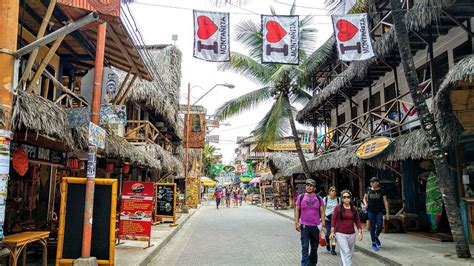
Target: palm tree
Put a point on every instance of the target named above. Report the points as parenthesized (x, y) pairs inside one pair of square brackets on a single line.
[(429, 126), (210, 158), (284, 84)]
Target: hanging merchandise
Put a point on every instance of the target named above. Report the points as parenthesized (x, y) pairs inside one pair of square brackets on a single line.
[(73, 163), (353, 37), (109, 168), (126, 168), (20, 161), (280, 39), (211, 36)]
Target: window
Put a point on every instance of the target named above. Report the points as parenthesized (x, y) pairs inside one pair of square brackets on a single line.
[(341, 119), (390, 94), (376, 101)]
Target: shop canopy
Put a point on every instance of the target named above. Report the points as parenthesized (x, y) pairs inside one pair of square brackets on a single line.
[(207, 182)]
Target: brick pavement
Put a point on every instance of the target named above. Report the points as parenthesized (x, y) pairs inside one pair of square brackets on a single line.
[(247, 235)]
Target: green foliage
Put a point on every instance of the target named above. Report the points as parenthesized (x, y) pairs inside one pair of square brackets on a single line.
[(211, 159), (434, 199)]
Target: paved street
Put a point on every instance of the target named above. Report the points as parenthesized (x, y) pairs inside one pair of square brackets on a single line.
[(247, 235)]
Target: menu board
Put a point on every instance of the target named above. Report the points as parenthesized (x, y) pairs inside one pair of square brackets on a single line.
[(165, 200), (268, 194), (136, 210)]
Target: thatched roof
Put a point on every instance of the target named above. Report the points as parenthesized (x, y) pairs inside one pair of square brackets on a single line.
[(161, 95), (34, 113), (169, 163), (448, 125), (420, 16), (116, 147), (413, 145), (284, 161)]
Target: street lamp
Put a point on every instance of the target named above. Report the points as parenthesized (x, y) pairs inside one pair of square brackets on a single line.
[(186, 168)]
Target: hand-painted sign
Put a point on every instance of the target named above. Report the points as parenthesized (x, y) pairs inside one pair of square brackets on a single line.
[(136, 210), (280, 39), (110, 85), (196, 130), (213, 138), (353, 37), (373, 147), (211, 36), (165, 200), (96, 136)]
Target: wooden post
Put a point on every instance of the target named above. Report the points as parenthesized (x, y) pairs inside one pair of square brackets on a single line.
[(8, 45), (371, 105)]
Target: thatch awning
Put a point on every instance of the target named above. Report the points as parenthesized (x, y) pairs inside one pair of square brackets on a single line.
[(448, 124), (413, 145), (418, 17), (284, 161), (117, 147), (162, 96), (34, 113), (169, 163)]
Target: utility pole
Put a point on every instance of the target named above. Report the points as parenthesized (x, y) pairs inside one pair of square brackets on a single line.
[(95, 110), (8, 45), (186, 127)]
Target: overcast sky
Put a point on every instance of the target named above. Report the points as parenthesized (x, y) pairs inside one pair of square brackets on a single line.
[(158, 20)]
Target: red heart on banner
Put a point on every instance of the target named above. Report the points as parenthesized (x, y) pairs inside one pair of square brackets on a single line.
[(346, 29), (275, 31), (206, 27)]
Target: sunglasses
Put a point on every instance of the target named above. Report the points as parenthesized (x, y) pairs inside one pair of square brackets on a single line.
[(346, 197)]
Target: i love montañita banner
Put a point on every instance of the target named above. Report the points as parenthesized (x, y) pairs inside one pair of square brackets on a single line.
[(353, 37), (280, 39), (211, 36)]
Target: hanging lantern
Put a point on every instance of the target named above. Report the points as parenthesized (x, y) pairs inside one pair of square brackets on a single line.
[(73, 163), (126, 168), (109, 167), (20, 161)]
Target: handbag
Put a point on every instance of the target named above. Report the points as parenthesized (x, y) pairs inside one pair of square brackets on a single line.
[(322, 240)]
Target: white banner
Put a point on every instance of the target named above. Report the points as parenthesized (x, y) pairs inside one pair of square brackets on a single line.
[(353, 37), (211, 36), (280, 39)]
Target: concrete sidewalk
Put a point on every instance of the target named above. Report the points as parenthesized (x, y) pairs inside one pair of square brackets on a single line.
[(404, 249), (134, 252)]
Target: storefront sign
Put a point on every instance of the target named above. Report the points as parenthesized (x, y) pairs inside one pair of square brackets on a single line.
[(96, 136), (38, 153), (136, 210), (196, 130), (212, 123), (373, 147), (212, 138), (288, 146)]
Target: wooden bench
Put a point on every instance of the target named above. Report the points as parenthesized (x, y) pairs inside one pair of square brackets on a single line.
[(17, 244)]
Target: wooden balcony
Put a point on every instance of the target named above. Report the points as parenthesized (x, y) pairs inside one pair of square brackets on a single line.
[(141, 132), (391, 119)]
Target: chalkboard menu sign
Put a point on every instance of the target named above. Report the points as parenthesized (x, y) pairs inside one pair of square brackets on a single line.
[(71, 220), (165, 200)]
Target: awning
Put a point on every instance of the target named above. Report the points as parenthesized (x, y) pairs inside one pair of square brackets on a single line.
[(207, 182)]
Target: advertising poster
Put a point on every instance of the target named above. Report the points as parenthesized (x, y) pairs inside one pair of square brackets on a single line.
[(136, 210)]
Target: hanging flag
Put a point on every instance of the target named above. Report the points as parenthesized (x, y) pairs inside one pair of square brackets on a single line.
[(353, 37), (280, 39), (211, 36)]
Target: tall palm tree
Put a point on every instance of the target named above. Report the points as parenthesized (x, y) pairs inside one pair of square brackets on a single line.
[(284, 84), (210, 158), (429, 126)]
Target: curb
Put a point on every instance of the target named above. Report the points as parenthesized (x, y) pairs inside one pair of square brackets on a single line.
[(165, 241), (381, 258)]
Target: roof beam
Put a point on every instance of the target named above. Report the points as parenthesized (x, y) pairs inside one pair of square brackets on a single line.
[(470, 33)]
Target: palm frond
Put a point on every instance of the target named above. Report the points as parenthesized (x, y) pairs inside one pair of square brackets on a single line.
[(249, 34), (293, 8), (243, 103), (220, 3), (248, 67), (300, 96), (273, 11), (274, 125), (317, 59)]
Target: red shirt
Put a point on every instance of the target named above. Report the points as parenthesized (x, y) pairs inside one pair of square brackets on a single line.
[(345, 223), (217, 194)]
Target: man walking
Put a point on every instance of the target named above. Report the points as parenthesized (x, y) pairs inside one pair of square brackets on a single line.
[(375, 200), (217, 196), (309, 216)]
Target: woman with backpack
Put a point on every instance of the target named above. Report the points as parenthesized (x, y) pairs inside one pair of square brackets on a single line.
[(330, 202), (342, 227)]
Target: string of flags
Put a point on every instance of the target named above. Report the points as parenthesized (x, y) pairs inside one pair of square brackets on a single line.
[(280, 37)]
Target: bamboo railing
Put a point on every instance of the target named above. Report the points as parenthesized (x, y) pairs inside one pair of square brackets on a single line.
[(141, 131)]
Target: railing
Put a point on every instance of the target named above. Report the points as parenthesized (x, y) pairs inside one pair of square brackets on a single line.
[(390, 119), (141, 131), (68, 101)]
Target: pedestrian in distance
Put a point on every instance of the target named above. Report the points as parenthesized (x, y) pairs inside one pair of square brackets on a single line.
[(343, 220), (375, 200), (227, 197), (240, 194), (309, 217), (330, 202), (217, 196), (234, 197)]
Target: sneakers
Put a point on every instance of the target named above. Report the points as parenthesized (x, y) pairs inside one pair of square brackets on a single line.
[(328, 248), (377, 242), (333, 252), (375, 247)]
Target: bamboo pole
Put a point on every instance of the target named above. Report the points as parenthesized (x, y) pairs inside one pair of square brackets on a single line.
[(41, 31), (45, 62)]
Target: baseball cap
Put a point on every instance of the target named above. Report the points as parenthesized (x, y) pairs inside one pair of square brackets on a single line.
[(374, 179), (311, 182)]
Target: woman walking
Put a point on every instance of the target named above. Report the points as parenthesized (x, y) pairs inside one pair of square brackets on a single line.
[(235, 197), (376, 200), (342, 227), (330, 202)]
